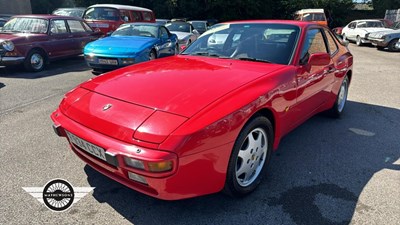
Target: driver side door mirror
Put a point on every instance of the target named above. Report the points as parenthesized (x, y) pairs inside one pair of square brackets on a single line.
[(319, 59)]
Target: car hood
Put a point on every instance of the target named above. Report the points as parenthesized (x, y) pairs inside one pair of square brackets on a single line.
[(115, 45), (181, 35), (380, 34), (181, 85)]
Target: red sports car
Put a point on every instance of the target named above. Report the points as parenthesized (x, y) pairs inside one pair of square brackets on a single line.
[(208, 119)]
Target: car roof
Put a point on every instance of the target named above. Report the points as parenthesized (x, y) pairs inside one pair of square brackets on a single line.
[(204, 21), (298, 23), (367, 20), (302, 11), (46, 16), (149, 24), (68, 8), (117, 6)]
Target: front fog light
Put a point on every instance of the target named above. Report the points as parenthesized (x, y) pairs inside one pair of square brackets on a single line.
[(160, 166), (134, 163), (137, 178)]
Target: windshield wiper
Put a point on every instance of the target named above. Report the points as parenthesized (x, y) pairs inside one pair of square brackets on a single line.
[(208, 54), (254, 59)]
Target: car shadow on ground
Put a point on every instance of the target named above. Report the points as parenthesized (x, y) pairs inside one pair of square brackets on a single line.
[(74, 64), (315, 177)]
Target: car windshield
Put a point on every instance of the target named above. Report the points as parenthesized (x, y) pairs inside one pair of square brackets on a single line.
[(314, 17), (199, 25), (370, 24), (180, 27), (102, 13), (396, 26), (136, 30), (271, 43), (69, 12), (26, 25)]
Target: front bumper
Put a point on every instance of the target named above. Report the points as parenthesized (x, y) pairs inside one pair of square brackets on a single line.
[(9, 61), (191, 176), (381, 42)]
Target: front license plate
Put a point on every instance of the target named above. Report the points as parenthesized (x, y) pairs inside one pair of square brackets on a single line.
[(108, 61), (88, 147)]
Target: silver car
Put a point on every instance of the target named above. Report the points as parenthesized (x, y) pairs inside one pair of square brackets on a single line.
[(386, 39), (185, 32)]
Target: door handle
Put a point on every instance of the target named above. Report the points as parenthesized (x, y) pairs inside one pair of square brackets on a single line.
[(330, 69)]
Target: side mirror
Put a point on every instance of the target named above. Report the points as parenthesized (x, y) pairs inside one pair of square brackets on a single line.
[(195, 32), (319, 59)]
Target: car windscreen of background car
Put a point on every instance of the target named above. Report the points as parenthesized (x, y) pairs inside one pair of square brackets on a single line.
[(274, 43), (26, 25), (69, 12), (137, 30), (370, 24), (180, 27), (101, 13)]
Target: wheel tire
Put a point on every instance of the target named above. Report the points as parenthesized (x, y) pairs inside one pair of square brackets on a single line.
[(35, 61), (391, 45), (337, 109), (251, 153), (152, 55), (358, 41)]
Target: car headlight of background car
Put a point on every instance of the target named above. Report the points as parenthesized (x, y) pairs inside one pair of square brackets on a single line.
[(8, 45)]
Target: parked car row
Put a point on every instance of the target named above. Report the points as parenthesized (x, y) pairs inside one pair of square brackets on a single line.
[(371, 31)]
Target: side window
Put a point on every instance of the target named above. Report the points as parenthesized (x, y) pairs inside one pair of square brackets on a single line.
[(313, 43), (352, 25), (75, 26), (136, 16), (331, 42), (147, 16), (58, 27), (163, 32), (87, 27), (125, 16)]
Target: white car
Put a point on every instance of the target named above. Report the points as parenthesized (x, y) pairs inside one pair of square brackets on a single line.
[(185, 32), (358, 29)]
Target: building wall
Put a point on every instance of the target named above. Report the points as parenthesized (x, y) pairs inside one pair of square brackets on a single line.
[(15, 7)]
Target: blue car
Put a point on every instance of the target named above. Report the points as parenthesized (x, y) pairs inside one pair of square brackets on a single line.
[(131, 43)]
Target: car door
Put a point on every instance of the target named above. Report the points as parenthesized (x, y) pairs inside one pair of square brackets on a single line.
[(314, 83), (79, 37), (59, 44), (166, 45), (351, 32)]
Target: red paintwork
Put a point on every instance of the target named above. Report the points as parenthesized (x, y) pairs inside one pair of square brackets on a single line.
[(55, 46), (192, 109)]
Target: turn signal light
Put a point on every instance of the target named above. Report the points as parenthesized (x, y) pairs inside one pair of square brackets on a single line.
[(160, 166)]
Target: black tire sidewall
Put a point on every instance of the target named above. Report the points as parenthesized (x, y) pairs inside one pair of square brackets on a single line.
[(391, 45), (232, 187)]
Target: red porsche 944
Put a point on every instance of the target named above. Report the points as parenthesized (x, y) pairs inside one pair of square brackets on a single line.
[(208, 119)]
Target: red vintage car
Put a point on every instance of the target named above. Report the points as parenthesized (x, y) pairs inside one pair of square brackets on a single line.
[(35, 40), (208, 119)]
